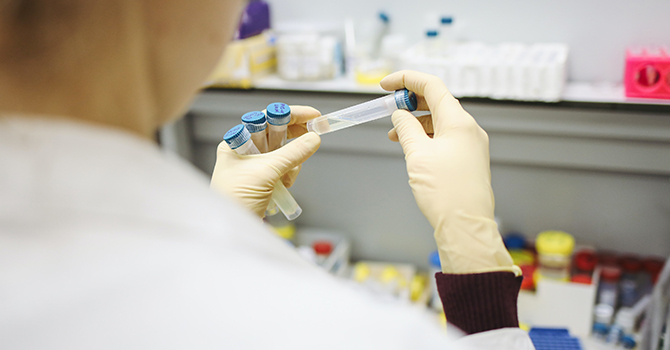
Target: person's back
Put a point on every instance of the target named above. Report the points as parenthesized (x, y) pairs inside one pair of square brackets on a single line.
[(107, 243)]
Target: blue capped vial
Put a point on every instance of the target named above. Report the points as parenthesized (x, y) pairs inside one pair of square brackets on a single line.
[(361, 113), (405, 99), (278, 113), (237, 138), (254, 121)]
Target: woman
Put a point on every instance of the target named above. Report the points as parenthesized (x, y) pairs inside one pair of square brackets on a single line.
[(105, 242)]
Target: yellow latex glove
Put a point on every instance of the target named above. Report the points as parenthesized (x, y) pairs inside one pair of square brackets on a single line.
[(251, 179), (450, 176)]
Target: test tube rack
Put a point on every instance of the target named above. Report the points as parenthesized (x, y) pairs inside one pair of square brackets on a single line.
[(647, 73)]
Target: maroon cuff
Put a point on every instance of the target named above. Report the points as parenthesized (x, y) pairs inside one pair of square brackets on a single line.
[(480, 302)]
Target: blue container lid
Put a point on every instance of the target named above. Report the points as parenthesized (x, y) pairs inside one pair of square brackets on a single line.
[(628, 342), (237, 136), (278, 113), (254, 121), (447, 20), (431, 33), (405, 99), (434, 259), (514, 241), (384, 17), (600, 328)]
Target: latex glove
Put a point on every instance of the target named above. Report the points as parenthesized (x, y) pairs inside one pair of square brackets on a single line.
[(450, 176), (251, 179)]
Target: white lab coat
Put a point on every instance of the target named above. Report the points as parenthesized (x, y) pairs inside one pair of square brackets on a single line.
[(107, 243)]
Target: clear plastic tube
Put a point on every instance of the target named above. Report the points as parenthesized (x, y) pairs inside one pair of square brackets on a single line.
[(361, 113), (256, 123), (278, 115), (238, 139)]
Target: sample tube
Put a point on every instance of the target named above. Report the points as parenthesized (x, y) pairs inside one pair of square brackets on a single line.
[(237, 138), (256, 123), (278, 115), (364, 112)]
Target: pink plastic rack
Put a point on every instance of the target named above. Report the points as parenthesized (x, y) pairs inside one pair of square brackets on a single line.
[(648, 72)]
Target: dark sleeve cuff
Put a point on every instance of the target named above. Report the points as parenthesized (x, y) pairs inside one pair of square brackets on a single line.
[(480, 302)]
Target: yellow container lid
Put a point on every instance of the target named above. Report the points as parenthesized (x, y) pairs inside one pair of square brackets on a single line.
[(554, 242), (285, 232)]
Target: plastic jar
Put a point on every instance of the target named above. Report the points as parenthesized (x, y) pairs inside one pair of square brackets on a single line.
[(554, 249), (584, 262), (631, 281)]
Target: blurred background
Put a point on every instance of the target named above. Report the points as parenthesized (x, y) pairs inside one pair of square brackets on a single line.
[(575, 96)]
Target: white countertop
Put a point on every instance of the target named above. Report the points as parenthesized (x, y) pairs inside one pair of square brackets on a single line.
[(574, 91)]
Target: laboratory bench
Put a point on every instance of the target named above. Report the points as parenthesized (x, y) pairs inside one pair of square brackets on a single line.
[(595, 164)]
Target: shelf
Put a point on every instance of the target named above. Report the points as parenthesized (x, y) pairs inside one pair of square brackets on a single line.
[(582, 92)]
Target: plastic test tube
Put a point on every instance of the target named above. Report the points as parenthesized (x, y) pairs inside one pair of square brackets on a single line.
[(255, 122), (237, 138), (278, 115), (364, 112)]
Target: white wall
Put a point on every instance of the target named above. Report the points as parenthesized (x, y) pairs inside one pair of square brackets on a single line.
[(597, 31)]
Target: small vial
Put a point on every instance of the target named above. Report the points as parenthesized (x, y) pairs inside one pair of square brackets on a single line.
[(364, 112), (278, 116), (446, 39), (238, 139), (432, 43), (554, 249), (322, 249), (256, 123)]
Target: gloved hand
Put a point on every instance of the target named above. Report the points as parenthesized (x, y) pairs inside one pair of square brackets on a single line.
[(251, 179), (450, 176)]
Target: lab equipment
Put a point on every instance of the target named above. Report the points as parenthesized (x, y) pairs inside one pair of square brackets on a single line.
[(431, 43), (256, 123), (553, 339), (514, 71), (647, 72), (255, 20), (608, 288), (626, 320), (631, 280), (379, 33), (554, 249), (238, 139), (364, 112), (584, 262), (308, 51), (278, 116), (525, 259), (322, 249), (388, 280), (657, 328), (446, 38)]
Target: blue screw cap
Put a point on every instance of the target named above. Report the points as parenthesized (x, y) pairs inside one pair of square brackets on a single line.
[(237, 136), (254, 121), (447, 20), (384, 17), (405, 99), (278, 113), (514, 241), (431, 33)]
